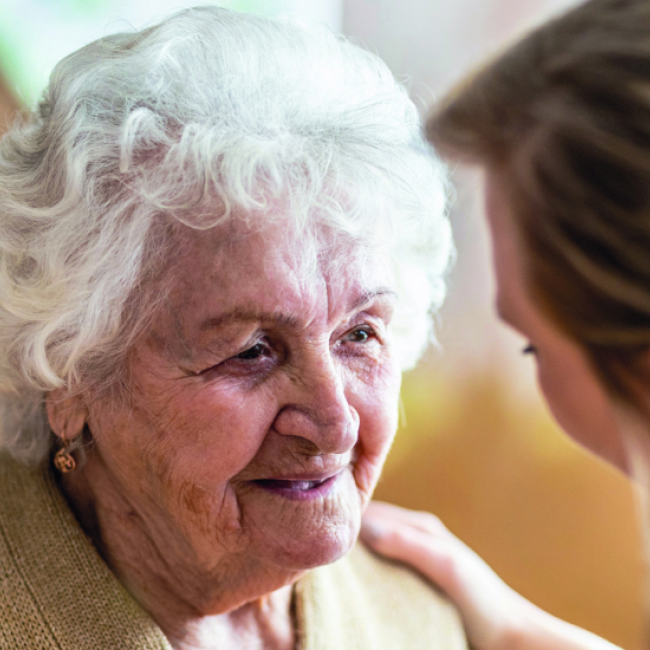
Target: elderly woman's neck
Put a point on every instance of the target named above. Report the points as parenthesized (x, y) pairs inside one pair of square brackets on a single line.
[(230, 606), (262, 625)]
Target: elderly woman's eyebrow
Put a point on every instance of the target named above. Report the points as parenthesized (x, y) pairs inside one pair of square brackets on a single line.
[(369, 296), (246, 315), (243, 315)]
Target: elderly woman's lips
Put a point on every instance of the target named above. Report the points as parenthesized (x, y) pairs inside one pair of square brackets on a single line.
[(299, 489)]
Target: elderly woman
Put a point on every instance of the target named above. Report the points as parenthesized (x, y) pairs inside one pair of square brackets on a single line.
[(560, 125), (220, 239)]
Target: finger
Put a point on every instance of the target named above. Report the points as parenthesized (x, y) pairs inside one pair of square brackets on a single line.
[(379, 512), (417, 519), (435, 558)]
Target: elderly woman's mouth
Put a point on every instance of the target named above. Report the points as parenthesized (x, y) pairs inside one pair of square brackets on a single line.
[(300, 488)]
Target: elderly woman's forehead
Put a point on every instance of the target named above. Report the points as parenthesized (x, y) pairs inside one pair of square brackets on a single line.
[(318, 247), (227, 265)]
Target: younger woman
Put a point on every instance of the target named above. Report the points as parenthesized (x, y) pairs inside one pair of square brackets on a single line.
[(560, 124)]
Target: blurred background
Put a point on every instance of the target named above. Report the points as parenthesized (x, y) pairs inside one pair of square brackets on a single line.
[(476, 445)]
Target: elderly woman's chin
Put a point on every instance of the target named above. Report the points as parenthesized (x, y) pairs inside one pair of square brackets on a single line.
[(299, 532)]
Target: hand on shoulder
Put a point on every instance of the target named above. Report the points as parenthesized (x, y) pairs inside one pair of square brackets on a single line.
[(496, 617)]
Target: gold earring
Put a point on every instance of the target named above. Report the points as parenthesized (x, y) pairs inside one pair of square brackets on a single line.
[(63, 459)]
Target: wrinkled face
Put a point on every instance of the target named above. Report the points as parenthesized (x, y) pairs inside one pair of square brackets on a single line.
[(263, 404), (575, 397)]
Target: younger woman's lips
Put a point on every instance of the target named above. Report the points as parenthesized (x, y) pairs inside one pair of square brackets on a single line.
[(299, 489)]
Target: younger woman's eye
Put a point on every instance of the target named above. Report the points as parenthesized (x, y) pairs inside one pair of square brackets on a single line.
[(529, 349), (252, 353)]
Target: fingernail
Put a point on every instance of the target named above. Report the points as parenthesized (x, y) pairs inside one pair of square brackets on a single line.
[(372, 531)]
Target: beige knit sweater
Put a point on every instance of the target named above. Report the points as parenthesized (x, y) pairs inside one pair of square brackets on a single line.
[(56, 593)]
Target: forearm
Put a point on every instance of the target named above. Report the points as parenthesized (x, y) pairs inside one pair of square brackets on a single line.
[(539, 630)]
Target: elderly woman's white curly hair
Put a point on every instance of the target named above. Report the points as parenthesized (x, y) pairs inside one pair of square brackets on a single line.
[(207, 117)]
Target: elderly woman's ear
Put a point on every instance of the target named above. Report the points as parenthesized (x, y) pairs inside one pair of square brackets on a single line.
[(66, 413)]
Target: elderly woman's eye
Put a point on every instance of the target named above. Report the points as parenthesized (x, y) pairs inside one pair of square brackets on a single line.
[(360, 335), (258, 350)]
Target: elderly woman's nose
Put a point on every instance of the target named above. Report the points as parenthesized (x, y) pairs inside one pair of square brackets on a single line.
[(320, 412)]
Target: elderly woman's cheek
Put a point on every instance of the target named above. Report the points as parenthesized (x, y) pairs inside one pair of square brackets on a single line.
[(191, 455), (376, 399)]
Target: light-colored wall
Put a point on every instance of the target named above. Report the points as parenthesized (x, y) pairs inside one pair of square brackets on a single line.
[(433, 42)]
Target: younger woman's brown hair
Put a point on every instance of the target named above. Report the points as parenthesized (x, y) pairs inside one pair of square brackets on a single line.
[(564, 118)]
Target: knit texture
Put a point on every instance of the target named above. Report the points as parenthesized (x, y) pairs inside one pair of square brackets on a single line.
[(363, 602), (56, 592)]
